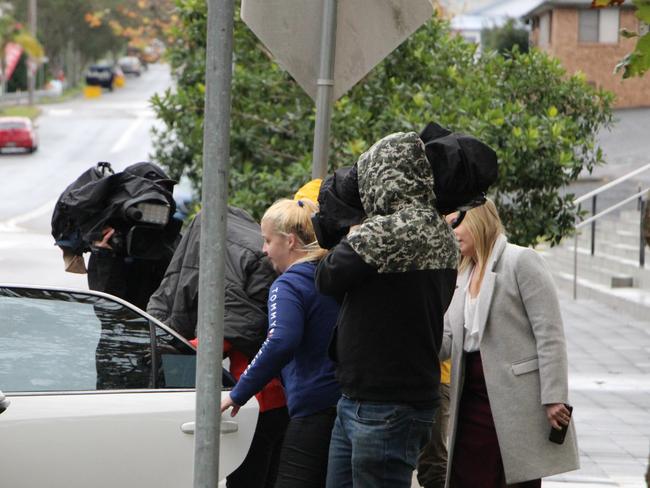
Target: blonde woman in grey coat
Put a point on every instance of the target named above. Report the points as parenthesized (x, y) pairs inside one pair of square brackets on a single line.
[(504, 332)]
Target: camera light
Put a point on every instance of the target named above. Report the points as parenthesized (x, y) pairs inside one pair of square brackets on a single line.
[(153, 213)]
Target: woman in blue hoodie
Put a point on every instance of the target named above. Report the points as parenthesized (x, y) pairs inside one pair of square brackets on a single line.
[(301, 321)]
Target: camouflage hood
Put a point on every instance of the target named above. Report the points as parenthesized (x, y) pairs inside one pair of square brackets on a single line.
[(403, 231)]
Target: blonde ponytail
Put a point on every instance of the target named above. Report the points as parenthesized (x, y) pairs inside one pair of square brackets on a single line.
[(294, 217)]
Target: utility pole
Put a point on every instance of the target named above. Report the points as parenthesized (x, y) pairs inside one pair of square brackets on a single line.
[(31, 71), (216, 162)]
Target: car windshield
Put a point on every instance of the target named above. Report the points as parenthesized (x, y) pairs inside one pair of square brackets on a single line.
[(13, 125)]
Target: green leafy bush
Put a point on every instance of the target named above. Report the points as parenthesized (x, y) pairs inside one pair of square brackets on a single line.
[(504, 38), (541, 122)]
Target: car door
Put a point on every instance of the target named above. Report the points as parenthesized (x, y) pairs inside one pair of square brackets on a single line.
[(99, 394)]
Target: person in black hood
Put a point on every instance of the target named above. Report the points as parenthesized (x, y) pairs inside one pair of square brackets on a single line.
[(395, 275)]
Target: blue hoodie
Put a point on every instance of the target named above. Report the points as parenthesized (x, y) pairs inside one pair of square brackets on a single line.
[(301, 321)]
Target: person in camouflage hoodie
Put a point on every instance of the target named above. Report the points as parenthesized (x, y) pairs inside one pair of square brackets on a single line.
[(395, 275)]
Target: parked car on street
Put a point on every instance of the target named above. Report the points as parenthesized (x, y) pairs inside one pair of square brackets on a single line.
[(130, 65), (101, 75), (18, 132), (95, 392)]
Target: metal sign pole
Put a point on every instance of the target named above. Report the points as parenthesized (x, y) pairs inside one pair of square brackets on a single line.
[(216, 161), (31, 73), (325, 84)]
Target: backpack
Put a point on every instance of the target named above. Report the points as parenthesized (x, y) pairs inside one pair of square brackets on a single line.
[(65, 228)]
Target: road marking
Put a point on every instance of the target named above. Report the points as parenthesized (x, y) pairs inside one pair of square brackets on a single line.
[(127, 135), (59, 111), (13, 224)]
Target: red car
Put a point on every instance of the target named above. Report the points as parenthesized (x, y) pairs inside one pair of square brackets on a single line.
[(17, 132)]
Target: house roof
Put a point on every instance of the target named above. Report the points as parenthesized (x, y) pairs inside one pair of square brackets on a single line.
[(546, 5), (495, 13), (467, 23), (506, 8)]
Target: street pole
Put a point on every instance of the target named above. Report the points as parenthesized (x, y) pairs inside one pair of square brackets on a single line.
[(31, 73), (325, 84), (216, 161)]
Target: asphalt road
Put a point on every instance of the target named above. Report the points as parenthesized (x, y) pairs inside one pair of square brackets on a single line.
[(73, 136)]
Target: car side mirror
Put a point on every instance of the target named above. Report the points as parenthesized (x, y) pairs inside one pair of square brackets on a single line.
[(4, 402)]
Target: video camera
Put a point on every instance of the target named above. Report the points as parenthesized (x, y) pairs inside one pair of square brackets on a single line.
[(143, 223), (136, 203)]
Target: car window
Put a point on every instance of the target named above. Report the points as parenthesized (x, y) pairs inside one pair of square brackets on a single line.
[(69, 341), (12, 125)]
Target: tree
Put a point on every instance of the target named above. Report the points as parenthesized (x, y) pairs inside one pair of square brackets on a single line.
[(541, 121), (137, 22), (75, 32), (70, 42), (13, 31), (636, 63), (504, 38)]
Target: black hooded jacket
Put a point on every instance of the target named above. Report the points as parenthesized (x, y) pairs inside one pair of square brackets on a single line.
[(395, 275), (248, 278)]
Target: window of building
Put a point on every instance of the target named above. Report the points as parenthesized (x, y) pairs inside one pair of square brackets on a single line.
[(643, 28), (545, 30), (598, 25)]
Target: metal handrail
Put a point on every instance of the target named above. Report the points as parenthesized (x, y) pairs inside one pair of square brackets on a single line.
[(611, 184), (593, 195), (636, 196), (595, 216)]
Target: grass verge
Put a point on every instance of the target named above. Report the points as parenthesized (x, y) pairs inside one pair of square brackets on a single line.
[(20, 111)]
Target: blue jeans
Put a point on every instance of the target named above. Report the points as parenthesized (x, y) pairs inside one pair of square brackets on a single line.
[(376, 445)]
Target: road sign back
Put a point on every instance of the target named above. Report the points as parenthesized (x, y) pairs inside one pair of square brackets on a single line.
[(367, 31)]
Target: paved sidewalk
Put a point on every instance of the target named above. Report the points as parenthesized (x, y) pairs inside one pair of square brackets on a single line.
[(609, 380)]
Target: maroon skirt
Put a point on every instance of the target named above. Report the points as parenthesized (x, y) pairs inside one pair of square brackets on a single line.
[(477, 459)]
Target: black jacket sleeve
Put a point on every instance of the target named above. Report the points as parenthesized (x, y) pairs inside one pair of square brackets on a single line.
[(341, 270)]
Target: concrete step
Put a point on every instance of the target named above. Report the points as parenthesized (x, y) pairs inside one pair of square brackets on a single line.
[(610, 234), (607, 229), (597, 274), (631, 301), (621, 250), (599, 268), (619, 244)]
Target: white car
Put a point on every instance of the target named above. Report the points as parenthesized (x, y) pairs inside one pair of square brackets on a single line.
[(95, 392), (130, 65)]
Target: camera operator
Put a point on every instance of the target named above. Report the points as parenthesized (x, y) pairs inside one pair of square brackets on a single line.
[(133, 270), (126, 221), (394, 271)]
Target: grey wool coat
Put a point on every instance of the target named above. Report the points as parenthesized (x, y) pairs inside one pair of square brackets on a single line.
[(524, 359)]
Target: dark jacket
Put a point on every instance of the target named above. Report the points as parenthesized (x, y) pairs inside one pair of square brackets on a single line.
[(300, 325), (389, 329), (395, 275), (248, 278)]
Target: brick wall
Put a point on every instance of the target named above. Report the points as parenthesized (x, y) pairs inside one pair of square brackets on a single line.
[(595, 60)]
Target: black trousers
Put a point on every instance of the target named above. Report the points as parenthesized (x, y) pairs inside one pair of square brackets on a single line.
[(133, 280), (303, 460), (260, 467)]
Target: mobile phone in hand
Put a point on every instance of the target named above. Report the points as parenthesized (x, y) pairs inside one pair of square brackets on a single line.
[(558, 436)]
